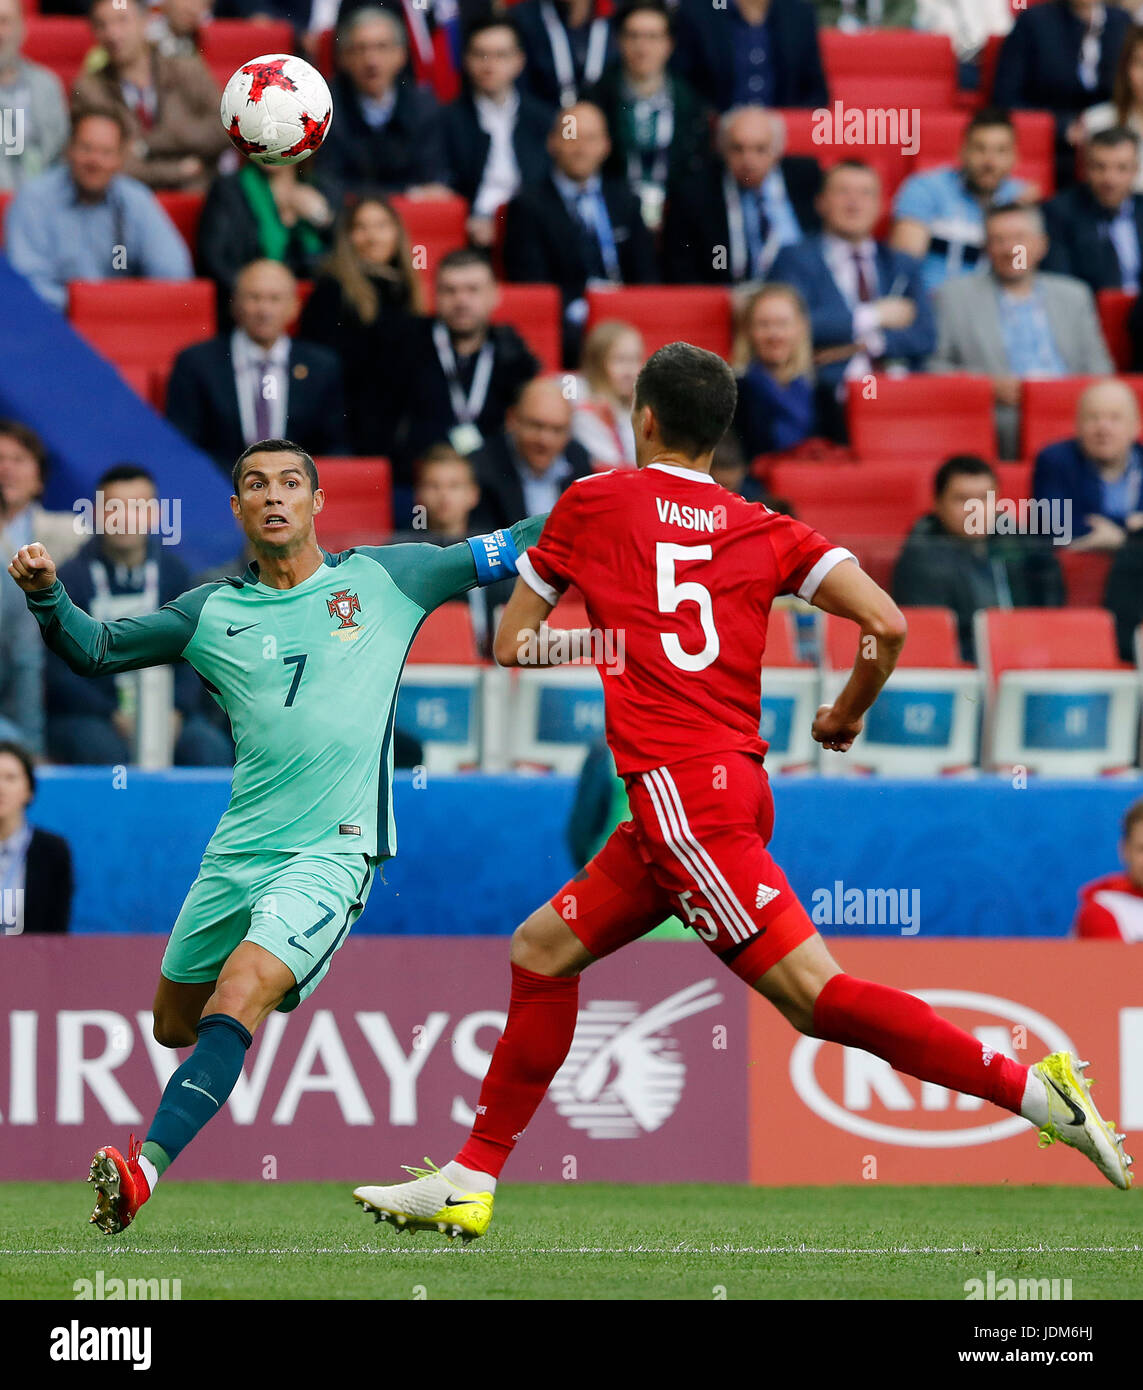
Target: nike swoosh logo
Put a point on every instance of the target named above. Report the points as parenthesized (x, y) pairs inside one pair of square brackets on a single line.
[(1078, 1117), (293, 941), (465, 1202), (192, 1087), (234, 631)]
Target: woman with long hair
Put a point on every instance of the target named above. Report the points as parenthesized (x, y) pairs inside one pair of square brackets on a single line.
[(774, 362), (1126, 105), (612, 356)]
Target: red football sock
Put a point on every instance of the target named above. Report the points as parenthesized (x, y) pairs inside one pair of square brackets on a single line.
[(541, 1023), (915, 1040)]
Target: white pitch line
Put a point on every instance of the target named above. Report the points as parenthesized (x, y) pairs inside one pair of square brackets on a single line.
[(426, 1249)]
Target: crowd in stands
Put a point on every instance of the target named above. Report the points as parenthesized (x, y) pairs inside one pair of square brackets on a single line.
[(594, 146)]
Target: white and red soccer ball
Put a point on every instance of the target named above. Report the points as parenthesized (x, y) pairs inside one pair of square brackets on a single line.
[(277, 109)]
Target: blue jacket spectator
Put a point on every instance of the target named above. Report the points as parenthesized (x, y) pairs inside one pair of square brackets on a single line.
[(124, 571), (867, 303), (84, 220), (751, 52)]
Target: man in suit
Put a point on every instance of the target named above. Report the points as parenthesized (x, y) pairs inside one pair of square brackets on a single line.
[(495, 136), (386, 131), (531, 461), (35, 866), (867, 302), (659, 128), (568, 45), (757, 52), (257, 382), (455, 375), (1012, 321), (727, 223), (1098, 475), (576, 227), (1095, 229)]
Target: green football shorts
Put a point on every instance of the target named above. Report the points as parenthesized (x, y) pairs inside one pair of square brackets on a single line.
[(299, 907)]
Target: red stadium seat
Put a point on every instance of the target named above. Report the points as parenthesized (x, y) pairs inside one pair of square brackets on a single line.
[(698, 314), (228, 43), (534, 311), (1048, 409), (184, 210), (358, 502), (1114, 310), (932, 642), (142, 323), (942, 134), (1014, 479), (919, 70), (910, 415), (326, 54), (5, 199), (1085, 575), (1050, 639), (435, 226), (782, 640), (446, 638), (60, 43)]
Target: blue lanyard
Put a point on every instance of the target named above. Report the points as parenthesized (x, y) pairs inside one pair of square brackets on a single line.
[(604, 235)]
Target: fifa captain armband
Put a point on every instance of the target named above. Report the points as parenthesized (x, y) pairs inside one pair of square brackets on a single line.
[(495, 555)]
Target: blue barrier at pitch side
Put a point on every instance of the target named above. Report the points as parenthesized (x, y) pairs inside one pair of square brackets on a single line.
[(477, 853)]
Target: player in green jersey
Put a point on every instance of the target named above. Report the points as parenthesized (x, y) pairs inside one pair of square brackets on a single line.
[(304, 652)]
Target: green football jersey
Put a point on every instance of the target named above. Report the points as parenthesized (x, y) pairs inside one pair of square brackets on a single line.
[(308, 677)]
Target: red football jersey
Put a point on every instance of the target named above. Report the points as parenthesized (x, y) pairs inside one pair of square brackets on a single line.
[(679, 575)]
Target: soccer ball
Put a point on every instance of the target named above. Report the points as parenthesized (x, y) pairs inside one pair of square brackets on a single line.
[(277, 109)]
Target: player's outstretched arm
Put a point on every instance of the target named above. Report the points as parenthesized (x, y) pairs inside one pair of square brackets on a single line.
[(93, 648), (848, 592), (519, 625)]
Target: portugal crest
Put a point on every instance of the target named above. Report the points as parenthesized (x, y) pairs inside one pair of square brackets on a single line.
[(343, 605)]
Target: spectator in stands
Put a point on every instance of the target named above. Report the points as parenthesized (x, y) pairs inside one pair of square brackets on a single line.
[(387, 132), (175, 28), (851, 16), (612, 357), (969, 24), (1111, 907), (659, 128), (577, 227), (1061, 57), (939, 214), (495, 135), (257, 382), (169, 105), (36, 883), (752, 52), (1099, 473), (1126, 105), (730, 470), (867, 302), (23, 476), (1095, 229), (123, 572), (87, 220), (33, 94), (727, 223), (950, 561), (21, 668), (279, 213), (360, 304), (773, 357), (1015, 322), (526, 467), (568, 45), (453, 376)]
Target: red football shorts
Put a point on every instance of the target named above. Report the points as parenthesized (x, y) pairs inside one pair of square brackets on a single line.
[(696, 846)]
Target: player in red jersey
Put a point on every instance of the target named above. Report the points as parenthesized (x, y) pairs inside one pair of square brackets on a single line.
[(682, 574)]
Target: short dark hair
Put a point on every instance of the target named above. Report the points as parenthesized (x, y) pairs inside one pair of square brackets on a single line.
[(101, 113), (1111, 137), (24, 758), (693, 394), (491, 21), (843, 164), (989, 116), (619, 22), (1133, 817), (462, 257), (125, 473), (961, 466), (28, 439), (276, 446), (437, 454)]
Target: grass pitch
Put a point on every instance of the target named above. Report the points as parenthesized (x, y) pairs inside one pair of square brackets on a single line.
[(583, 1241)]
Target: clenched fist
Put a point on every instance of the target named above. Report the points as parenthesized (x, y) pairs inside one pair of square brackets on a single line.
[(33, 568)]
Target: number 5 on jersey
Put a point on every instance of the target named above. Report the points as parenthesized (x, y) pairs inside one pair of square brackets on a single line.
[(671, 594)]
